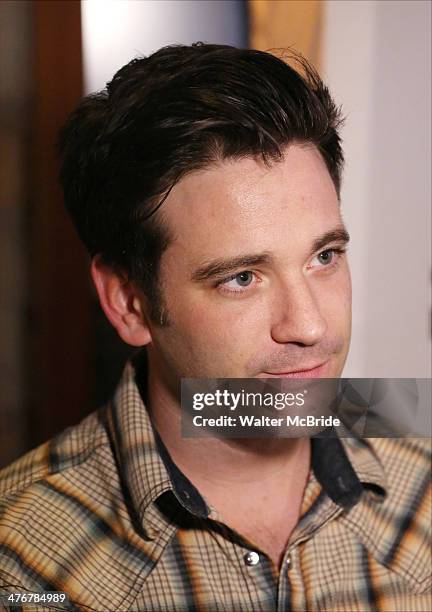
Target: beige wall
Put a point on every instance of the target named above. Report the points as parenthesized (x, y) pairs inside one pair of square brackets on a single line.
[(376, 59)]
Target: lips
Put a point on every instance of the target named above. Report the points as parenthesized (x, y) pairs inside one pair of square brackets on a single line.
[(317, 371)]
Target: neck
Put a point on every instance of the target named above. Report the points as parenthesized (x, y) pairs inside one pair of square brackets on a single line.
[(224, 462), (255, 486)]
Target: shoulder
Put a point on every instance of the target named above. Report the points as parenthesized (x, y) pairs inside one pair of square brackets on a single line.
[(50, 499), (396, 528), (406, 463), (68, 450)]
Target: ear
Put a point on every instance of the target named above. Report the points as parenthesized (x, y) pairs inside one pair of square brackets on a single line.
[(122, 303)]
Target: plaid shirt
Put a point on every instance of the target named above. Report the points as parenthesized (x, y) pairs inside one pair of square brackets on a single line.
[(103, 514)]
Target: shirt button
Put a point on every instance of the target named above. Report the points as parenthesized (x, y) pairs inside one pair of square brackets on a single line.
[(251, 558)]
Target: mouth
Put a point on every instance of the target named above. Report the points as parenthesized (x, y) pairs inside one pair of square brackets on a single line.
[(316, 371)]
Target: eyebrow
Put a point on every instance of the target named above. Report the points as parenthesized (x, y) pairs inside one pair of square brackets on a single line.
[(338, 234), (221, 267)]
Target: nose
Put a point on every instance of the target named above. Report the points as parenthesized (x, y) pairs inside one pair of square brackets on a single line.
[(297, 317)]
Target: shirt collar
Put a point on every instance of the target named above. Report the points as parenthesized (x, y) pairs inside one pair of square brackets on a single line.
[(342, 468)]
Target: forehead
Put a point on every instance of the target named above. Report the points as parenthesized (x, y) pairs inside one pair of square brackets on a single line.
[(242, 205)]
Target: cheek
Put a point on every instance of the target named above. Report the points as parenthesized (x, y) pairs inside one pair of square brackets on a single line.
[(205, 341), (227, 322), (334, 297), (337, 303), (226, 329)]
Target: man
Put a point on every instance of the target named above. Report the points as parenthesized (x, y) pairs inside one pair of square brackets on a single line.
[(205, 184)]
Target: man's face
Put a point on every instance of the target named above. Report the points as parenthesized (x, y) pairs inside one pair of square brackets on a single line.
[(254, 281)]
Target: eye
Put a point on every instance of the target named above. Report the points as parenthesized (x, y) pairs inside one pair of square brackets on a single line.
[(237, 282), (244, 278), (327, 258)]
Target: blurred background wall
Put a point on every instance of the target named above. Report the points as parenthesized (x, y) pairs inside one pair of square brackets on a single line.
[(376, 58), (59, 358)]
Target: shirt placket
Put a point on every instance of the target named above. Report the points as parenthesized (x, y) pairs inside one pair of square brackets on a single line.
[(291, 593), (259, 590), (260, 577)]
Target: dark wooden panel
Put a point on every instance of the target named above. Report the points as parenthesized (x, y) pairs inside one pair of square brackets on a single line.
[(59, 355)]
